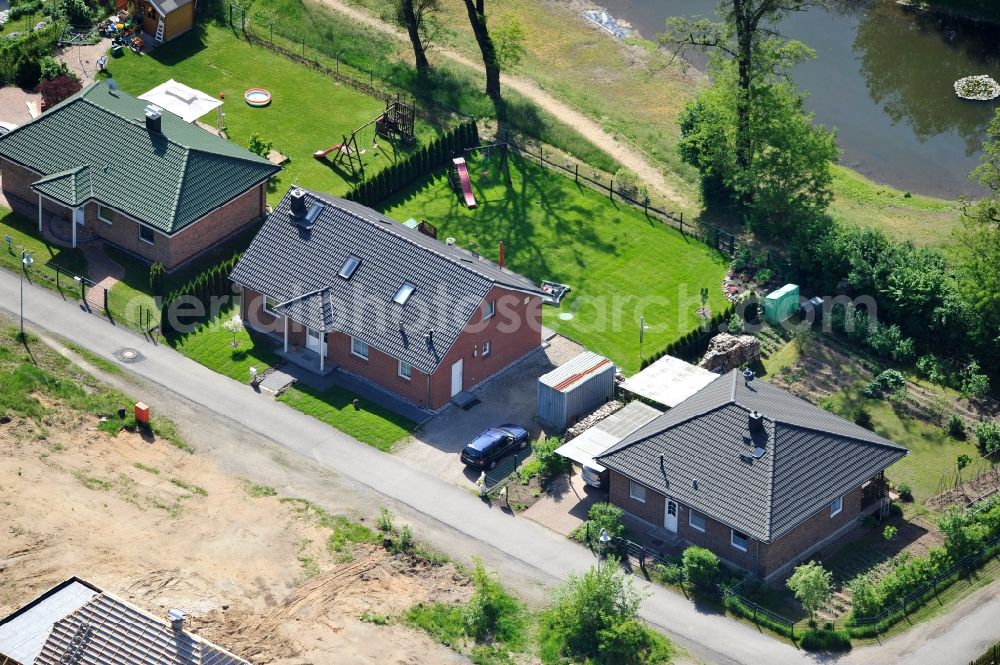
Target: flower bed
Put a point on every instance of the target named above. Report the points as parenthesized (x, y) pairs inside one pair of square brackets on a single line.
[(979, 88)]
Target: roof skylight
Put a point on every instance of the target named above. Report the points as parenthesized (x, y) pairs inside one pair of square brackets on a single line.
[(404, 293), (350, 265)]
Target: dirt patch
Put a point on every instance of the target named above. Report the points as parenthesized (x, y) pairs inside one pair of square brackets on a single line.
[(163, 528), (982, 486)]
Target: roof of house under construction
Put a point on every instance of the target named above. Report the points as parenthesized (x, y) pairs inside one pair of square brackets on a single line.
[(75, 623)]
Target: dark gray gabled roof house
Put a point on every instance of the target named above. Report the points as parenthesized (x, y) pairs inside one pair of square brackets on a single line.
[(330, 267), (767, 476), (75, 622)]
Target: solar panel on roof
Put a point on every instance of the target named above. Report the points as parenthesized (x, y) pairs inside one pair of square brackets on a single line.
[(759, 452)]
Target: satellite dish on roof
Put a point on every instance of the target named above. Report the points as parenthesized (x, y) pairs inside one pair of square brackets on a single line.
[(112, 85)]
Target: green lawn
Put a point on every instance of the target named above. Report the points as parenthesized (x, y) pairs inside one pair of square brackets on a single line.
[(619, 263), (24, 233), (932, 451), (212, 347), (309, 111), (370, 423)]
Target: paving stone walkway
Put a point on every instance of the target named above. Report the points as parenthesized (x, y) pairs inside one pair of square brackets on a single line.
[(103, 271)]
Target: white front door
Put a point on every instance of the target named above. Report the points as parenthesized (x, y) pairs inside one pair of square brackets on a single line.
[(670, 516), (314, 341), (456, 378)]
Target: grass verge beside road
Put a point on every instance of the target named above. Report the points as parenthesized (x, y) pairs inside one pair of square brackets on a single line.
[(24, 234)]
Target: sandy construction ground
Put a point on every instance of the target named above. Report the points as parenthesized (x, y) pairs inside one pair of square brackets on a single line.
[(163, 528)]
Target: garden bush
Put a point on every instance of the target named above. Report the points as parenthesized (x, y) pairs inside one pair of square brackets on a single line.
[(19, 10), (492, 614), (258, 146), (56, 90), (905, 492), (670, 573), (545, 453), (956, 427), (52, 68), (601, 515), (701, 568), (889, 381), (987, 437), (826, 640)]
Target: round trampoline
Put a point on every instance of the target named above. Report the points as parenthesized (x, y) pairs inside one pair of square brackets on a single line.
[(257, 97)]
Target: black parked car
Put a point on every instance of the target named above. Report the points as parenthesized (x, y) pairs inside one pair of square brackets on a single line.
[(486, 449)]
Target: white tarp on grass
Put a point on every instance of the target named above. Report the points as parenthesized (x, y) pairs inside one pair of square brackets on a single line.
[(179, 99)]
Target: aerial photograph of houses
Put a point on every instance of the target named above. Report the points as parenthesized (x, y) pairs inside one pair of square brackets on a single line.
[(499, 332)]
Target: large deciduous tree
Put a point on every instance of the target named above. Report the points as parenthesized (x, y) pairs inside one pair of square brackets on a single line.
[(477, 17), (740, 36), (416, 16), (979, 242)]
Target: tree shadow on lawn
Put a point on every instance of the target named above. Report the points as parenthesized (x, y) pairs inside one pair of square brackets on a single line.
[(177, 50)]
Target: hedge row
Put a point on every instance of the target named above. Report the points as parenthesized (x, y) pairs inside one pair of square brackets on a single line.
[(214, 282), (418, 164), (736, 606), (694, 343)]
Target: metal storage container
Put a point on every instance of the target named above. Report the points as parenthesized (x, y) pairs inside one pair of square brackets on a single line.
[(781, 304), (573, 390)]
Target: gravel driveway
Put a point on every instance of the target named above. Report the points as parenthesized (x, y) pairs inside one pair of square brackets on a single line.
[(509, 398)]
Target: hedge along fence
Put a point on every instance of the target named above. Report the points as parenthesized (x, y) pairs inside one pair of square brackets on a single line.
[(695, 342), (214, 283), (418, 164)]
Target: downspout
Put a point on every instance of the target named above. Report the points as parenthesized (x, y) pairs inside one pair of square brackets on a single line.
[(427, 392)]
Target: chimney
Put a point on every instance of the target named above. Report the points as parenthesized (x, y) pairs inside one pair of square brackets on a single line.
[(177, 618), (747, 376), (298, 203), (756, 423), (429, 337), (153, 114)]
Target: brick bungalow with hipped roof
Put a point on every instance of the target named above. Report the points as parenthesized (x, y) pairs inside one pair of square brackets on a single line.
[(753, 473), (419, 318), (158, 187)]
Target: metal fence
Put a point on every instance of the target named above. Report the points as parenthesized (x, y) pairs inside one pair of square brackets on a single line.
[(991, 657), (918, 597), (710, 235)]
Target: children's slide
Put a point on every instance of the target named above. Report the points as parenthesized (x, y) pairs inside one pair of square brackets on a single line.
[(324, 153), (463, 177)]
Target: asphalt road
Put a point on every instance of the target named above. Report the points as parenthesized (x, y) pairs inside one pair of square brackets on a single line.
[(257, 436)]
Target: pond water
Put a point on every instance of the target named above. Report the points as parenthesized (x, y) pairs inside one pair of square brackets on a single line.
[(883, 77)]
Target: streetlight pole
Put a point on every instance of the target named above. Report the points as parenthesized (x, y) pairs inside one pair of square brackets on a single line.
[(604, 538), (26, 262)]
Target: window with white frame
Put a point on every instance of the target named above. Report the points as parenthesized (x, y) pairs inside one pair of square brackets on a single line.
[(405, 370), (836, 506), (636, 492), (487, 348), (359, 348), (491, 309), (104, 214), (696, 520), (146, 234), (269, 305), (739, 541)]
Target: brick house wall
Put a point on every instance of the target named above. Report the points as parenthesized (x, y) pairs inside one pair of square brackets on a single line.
[(767, 560), (123, 231), (513, 331)]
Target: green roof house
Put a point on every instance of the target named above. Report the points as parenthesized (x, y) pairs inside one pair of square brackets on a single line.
[(105, 165)]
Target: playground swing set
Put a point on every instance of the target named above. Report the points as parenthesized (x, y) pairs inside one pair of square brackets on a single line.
[(396, 123), (458, 175)]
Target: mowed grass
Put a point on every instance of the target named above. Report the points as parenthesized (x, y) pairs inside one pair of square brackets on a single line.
[(367, 422), (212, 346), (620, 264), (308, 112), (932, 451)]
